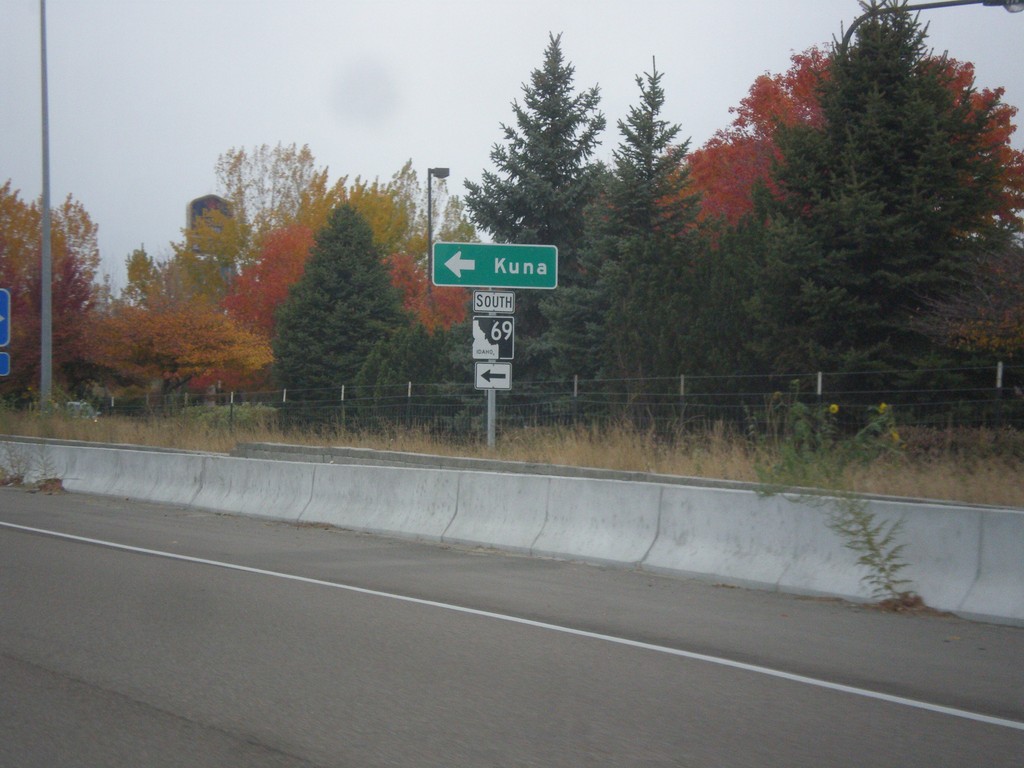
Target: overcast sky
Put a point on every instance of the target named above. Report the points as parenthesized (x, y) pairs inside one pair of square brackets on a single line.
[(146, 94)]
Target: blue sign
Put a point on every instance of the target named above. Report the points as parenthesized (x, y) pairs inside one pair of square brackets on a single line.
[(5, 364), (5, 317)]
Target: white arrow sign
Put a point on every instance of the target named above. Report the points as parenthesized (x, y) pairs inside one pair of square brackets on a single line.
[(457, 264), (493, 375)]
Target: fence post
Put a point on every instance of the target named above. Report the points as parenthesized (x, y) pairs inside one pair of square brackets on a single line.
[(231, 412), (999, 395), (575, 398), (408, 407), (284, 395), (819, 388), (682, 399), (342, 406)]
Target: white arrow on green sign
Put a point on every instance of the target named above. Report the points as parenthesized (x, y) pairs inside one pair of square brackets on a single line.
[(494, 265)]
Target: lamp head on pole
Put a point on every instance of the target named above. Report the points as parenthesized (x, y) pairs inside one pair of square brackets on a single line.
[(1009, 5), (1013, 6), (432, 173)]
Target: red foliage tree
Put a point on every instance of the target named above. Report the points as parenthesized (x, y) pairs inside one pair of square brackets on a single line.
[(729, 166), (726, 169), (432, 306), (75, 294), (259, 290), (1000, 129)]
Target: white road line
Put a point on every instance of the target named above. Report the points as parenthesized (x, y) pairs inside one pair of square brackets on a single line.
[(815, 682)]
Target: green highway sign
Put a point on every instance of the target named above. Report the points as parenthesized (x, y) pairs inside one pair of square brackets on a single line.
[(491, 265)]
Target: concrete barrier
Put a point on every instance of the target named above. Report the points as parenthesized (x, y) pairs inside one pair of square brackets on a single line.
[(494, 509), (600, 520), (785, 543), (135, 472), (87, 470), (746, 539), (160, 478), (997, 592), (412, 503), (942, 549), (270, 489), (960, 558)]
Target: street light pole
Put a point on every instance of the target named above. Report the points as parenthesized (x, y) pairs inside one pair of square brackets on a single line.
[(46, 272), (1009, 5), (432, 173)]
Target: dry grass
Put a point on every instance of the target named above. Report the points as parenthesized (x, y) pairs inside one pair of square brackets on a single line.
[(972, 466)]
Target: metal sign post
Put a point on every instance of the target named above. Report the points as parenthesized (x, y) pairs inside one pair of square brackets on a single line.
[(492, 416)]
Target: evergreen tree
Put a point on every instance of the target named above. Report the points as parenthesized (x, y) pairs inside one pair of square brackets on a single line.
[(643, 249), (411, 354), (543, 183), (339, 309), (576, 312), (880, 209), (719, 324)]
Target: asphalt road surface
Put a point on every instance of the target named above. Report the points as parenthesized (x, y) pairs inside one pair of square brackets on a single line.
[(142, 635)]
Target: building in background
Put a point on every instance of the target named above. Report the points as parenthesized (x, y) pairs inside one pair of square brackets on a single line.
[(202, 207)]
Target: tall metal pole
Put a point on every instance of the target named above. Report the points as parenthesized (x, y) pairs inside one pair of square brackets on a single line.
[(430, 228), (46, 273)]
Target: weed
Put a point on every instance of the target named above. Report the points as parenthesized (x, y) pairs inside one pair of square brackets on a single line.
[(27, 464), (876, 543), (14, 466), (813, 453)]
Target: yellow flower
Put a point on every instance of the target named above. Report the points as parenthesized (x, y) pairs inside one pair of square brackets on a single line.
[(883, 408), (833, 409), (895, 436)]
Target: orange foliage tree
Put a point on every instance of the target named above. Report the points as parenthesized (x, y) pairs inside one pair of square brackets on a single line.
[(176, 344)]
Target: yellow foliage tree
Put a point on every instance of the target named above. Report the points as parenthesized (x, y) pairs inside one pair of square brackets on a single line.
[(268, 188)]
